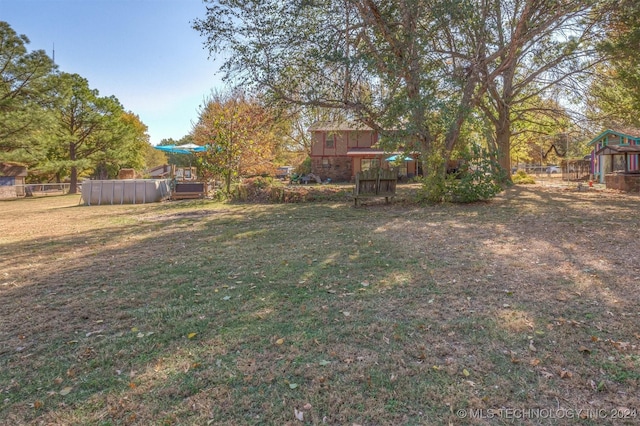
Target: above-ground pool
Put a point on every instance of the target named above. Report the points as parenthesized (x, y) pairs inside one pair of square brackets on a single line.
[(126, 191)]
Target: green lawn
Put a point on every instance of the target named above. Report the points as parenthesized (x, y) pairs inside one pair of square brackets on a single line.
[(207, 313)]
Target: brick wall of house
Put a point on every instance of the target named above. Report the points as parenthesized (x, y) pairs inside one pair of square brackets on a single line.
[(338, 169)]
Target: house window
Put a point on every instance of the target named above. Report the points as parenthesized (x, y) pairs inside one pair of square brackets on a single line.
[(325, 163), (369, 163), (330, 142)]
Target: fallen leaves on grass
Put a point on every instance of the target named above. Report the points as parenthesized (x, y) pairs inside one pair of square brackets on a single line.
[(621, 346), (65, 391), (565, 374), (584, 350)]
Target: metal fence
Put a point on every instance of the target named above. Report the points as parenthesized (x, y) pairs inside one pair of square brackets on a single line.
[(33, 190), (43, 189)]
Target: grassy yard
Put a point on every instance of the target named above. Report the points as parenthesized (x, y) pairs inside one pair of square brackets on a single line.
[(197, 313)]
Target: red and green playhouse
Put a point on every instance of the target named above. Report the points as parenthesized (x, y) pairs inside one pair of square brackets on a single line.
[(615, 159)]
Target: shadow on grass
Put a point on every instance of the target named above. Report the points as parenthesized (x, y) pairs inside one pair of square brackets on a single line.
[(199, 312)]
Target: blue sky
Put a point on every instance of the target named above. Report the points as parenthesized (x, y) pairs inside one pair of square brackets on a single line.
[(143, 52)]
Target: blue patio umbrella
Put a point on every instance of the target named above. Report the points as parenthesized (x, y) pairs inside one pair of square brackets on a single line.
[(188, 148), (395, 158), (181, 149)]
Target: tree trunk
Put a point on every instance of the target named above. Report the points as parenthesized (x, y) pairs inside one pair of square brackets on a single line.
[(73, 178), (227, 178), (503, 142)]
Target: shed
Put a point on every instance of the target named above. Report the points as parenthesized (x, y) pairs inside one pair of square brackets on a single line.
[(621, 176), (603, 162), (12, 177)]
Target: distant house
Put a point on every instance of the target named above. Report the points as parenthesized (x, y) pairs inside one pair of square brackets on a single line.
[(615, 151), (12, 180), (339, 150)]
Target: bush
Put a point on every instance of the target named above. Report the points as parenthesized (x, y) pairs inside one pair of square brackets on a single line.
[(433, 184), (304, 168), (477, 180), (269, 190), (522, 178)]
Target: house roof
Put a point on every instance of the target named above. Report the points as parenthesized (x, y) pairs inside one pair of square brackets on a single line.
[(336, 126), (627, 133), (13, 169), (354, 152), (619, 149)]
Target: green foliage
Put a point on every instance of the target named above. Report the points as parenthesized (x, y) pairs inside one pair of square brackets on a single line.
[(613, 101), (621, 45), (434, 182), (477, 179), (92, 134), (305, 167), (262, 182), (153, 157), (24, 91), (56, 124), (417, 69), (522, 178)]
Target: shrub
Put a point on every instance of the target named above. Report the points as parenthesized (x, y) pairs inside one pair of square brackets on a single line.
[(304, 168), (433, 184), (477, 180), (522, 178)]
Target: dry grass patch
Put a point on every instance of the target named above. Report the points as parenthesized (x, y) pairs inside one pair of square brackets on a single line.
[(205, 313)]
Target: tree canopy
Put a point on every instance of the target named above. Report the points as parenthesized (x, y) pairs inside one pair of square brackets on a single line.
[(24, 91), (417, 67), (56, 124), (243, 136)]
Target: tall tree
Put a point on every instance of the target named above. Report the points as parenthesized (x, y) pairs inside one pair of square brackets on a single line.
[(418, 67), (125, 147), (23, 92), (623, 43), (242, 134), (89, 131), (612, 101), (541, 48), (375, 60), (614, 95)]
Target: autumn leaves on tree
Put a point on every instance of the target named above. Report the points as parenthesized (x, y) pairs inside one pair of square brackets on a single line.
[(243, 137)]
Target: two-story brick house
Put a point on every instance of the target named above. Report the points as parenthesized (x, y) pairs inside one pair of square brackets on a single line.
[(341, 149)]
